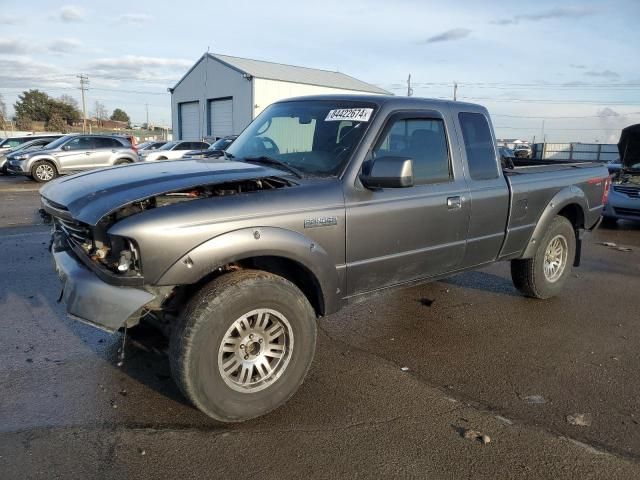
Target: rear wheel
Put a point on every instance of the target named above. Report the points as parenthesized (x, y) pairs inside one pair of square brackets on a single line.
[(243, 345), (43, 171), (544, 275), (122, 161)]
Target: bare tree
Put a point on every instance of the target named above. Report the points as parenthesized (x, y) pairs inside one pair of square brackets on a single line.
[(100, 112), (68, 100), (3, 114)]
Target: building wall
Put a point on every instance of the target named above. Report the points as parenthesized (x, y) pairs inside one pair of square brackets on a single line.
[(221, 82), (268, 91)]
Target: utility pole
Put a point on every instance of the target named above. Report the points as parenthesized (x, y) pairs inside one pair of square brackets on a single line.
[(147, 105), (542, 135), (84, 81), (455, 91), (409, 89)]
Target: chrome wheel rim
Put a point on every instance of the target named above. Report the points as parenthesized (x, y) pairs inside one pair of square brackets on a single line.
[(255, 351), (555, 258), (44, 172)]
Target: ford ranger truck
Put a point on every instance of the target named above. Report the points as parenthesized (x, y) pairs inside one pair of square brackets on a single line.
[(320, 202)]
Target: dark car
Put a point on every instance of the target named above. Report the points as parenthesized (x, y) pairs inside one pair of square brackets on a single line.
[(12, 142), (216, 149), (507, 157)]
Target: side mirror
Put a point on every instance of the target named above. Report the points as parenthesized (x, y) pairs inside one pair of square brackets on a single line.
[(389, 172), (66, 147)]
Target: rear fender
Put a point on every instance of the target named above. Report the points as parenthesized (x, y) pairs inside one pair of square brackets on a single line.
[(566, 196), (257, 242)]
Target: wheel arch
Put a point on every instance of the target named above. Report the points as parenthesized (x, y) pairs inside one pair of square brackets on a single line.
[(570, 203), (279, 251)]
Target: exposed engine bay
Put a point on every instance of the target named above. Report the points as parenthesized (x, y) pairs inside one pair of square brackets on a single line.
[(120, 255)]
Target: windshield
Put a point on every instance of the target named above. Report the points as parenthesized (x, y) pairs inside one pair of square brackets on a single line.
[(221, 144), (316, 137), (167, 146), (58, 142)]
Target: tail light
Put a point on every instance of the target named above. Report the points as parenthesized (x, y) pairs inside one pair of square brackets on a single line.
[(605, 193)]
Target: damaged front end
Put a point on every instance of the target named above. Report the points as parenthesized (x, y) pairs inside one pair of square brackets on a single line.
[(103, 274)]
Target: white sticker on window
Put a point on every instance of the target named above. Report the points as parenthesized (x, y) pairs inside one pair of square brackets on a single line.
[(355, 114)]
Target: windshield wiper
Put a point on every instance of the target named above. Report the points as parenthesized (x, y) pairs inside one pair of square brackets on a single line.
[(274, 161)]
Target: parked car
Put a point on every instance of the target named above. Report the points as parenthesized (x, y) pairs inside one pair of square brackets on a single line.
[(316, 208), (507, 156), (23, 147), (624, 198), (171, 150), (12, 142), (151, 145), (216, 149), (523, 151), (70, 154)]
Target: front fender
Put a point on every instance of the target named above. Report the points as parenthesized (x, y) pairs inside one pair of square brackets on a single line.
[(566, 196), (257, 242)]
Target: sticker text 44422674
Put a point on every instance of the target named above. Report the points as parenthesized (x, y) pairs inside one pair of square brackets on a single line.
[(354, 114)]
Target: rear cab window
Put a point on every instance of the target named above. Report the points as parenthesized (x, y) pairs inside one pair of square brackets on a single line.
[(478, 144)]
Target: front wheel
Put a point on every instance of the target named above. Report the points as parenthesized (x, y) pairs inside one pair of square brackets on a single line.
[(243, 345), (544, 275), (43, 171)]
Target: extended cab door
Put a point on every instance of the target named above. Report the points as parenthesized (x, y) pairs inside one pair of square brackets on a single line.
[(488, 189), (396, 235)]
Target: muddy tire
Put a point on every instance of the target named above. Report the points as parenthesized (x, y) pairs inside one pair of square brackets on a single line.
[(243, 345), (122, 161), (544, 275), (43, 171)]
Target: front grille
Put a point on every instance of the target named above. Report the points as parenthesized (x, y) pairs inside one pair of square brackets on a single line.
[(74, 231), (628, 212), (633, 192)]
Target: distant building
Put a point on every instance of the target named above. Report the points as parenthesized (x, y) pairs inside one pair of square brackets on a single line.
[(220, 95)]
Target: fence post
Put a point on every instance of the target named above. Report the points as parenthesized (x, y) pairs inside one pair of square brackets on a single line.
[(599, 151), (544, 151)]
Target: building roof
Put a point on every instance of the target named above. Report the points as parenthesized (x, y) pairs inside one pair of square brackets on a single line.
[(290, 73)]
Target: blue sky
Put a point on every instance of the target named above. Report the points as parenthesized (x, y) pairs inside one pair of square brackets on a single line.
[(526, 61)]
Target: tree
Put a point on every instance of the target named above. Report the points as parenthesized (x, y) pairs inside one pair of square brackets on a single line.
[(99, 111), (3, 113), (68, 100), (67, 112), (56, 123), (34, 105), (120, 116), (23, 122)]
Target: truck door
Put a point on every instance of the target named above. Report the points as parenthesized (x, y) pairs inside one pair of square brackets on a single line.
[(396, 235), (488, 189)]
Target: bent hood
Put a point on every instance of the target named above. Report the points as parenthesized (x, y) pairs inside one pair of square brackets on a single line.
[(89, 196), (629, 146)]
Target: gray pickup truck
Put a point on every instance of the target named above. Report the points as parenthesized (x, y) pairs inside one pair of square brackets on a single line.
[(320, 202)]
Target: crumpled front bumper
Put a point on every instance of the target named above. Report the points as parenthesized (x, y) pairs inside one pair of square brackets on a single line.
[(92, 300)]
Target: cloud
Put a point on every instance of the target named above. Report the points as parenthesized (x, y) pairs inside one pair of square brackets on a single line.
[(130, 67), (453, 34), (64, 45), (12, 46), (603, 74), (72, 13), (136, 18), (28, 73), (9, 20), (553, 13), (578, 66)]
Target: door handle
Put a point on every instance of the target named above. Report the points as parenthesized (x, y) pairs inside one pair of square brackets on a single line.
[(454, 203)]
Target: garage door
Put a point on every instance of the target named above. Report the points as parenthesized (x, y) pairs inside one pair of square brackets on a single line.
[(221, 117), (190, 121)]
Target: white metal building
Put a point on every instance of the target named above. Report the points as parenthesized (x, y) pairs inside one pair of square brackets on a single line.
[(220, 95)]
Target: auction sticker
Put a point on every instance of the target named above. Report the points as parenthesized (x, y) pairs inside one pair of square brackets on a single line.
[(355, 114)]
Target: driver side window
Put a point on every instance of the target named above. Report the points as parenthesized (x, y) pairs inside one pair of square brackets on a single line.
[(424, 141)]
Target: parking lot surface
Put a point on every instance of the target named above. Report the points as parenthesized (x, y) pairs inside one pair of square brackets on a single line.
[(395, 383)]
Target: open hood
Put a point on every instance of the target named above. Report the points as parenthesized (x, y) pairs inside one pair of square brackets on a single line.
[(89, 196), (629, 146)]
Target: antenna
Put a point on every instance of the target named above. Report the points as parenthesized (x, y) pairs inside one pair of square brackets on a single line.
[(204, 96)]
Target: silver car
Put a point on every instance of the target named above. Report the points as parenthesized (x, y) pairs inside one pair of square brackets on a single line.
[(70, 154)]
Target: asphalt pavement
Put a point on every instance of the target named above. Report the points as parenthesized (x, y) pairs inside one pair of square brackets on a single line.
[(395, 384)]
